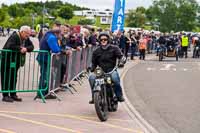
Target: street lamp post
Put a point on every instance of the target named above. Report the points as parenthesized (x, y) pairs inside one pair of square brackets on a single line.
[(33, 15), (44, 12)]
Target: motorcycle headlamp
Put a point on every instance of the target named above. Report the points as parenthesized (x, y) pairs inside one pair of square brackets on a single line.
[(98, 72), (109, 80)]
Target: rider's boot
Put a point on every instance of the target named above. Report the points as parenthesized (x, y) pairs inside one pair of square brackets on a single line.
[(121, 99), (92, 100)]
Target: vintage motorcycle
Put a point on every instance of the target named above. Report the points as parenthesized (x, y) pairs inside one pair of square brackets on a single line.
[(168, 52), (105, 99), (196, 52)]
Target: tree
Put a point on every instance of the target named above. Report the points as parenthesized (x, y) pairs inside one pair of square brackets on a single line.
[(86, 22), (2, 15), (65, 12), (136, 18), (16, 11), (177, 15)]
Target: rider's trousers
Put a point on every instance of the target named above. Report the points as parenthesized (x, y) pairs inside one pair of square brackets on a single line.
[(115, 78)]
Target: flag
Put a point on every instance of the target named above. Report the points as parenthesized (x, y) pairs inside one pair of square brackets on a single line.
[(118, 16)]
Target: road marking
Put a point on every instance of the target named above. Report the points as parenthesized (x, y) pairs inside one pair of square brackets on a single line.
[(62, 115), (39, 123), (151, 69), (77, 118), (167, 67), (185, 69), (6, 131), (134, 114), (110, 119), (174, 69)]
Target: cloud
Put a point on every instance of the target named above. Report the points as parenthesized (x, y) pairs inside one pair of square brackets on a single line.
[(93, 4)]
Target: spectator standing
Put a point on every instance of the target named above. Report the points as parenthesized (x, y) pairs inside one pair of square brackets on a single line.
[(142, 48), (20, 42), (8, 31)]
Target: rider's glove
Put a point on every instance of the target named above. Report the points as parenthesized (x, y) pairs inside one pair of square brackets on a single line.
[(121, 62), (120, 65)]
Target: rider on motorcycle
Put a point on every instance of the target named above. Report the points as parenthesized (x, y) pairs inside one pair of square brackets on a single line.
[(105, 56), (196, 43), (171, 44), (161, 44)]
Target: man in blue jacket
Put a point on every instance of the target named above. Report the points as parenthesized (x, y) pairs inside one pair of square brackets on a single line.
[(49, 42)]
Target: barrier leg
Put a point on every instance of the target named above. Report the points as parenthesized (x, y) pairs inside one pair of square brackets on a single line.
[(53, 92), (41, 96), (67, 87), (71, 86), (78, 80)]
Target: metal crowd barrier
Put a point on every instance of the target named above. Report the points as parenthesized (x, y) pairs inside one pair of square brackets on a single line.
[(55, 73), (21, 72)]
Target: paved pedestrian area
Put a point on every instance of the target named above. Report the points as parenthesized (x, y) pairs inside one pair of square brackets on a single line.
[(72, 114)]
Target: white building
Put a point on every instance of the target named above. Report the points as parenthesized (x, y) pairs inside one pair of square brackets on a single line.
[(105, 15), (98, 13)]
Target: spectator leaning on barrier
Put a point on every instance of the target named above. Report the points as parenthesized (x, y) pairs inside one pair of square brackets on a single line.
[(67, 49), (74, 41), (20, 43), (49, 42), (85, 37), (93, 38)]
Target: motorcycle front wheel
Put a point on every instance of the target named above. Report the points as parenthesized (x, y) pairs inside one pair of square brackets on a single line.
[(100, 105)]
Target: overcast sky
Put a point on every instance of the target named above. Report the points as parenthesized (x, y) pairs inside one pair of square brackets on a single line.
[(94, 4)]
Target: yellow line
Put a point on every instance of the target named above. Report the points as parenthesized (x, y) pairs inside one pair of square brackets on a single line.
[(39, 123), (90, 117), (77, 118), (6, 131)]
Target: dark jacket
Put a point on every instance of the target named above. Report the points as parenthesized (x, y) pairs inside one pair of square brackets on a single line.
[(123, 42), (14, 43), (93, 40), (106, 58), (162, 40)]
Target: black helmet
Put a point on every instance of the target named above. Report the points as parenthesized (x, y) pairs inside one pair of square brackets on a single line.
[(104, 34)]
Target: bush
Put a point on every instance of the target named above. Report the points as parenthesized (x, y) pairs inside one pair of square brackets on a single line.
[(86, 22)]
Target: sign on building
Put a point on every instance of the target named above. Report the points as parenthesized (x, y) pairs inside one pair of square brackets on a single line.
[(105, 20)]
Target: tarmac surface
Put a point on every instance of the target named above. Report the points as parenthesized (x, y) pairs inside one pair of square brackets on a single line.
[(166, 93), (72, 114)]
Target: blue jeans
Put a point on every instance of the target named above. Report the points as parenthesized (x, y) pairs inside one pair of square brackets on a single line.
[(115, 78)]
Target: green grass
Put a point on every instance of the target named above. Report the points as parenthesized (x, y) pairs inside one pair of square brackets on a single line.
[(75, 19)]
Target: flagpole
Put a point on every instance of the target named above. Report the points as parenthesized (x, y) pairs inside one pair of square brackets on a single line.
[(112, 16)]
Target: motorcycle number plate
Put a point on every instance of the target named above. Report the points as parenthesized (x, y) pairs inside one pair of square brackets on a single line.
[(99, 81)]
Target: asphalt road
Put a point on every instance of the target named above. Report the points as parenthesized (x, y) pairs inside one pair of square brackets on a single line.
[(166, 94), (72, 114)]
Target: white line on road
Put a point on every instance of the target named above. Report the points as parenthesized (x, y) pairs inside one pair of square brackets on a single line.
[(151, 69), (167, 67)]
